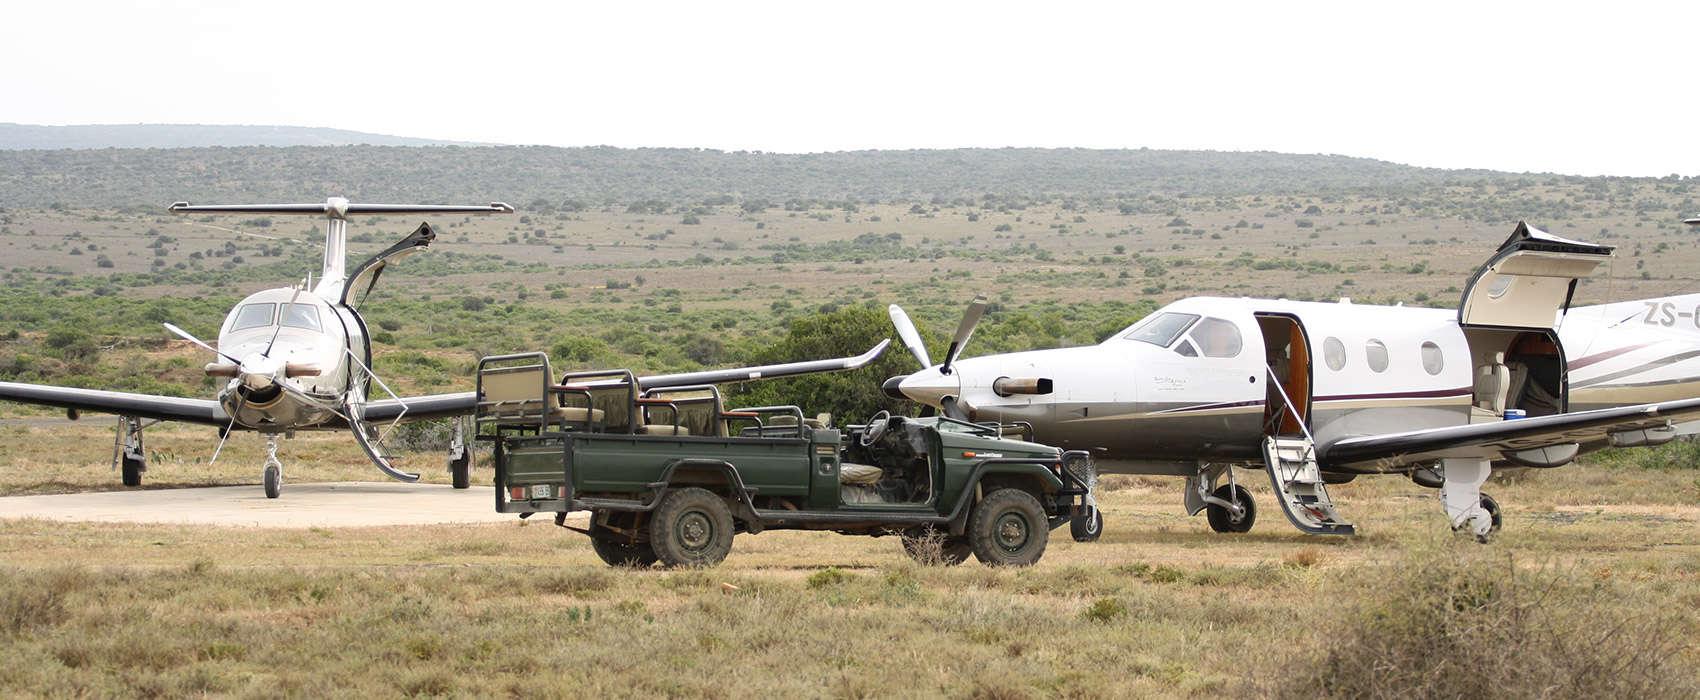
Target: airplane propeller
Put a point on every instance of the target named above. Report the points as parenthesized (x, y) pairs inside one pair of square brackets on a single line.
[(952, 405), (964, 330), (185, 335), (911, 337)]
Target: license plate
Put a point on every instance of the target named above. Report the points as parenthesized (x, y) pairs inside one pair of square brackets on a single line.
[(541, 491)]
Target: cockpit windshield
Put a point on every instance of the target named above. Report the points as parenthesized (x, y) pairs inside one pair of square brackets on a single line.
[(253, 316), (302, 316), (1162, 329)]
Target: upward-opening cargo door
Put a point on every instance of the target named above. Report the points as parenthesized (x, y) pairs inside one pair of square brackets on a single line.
[(1529, 281)]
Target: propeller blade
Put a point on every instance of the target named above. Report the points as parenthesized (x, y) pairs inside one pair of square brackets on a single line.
[(970, 319), (240, 402), (911, 337), (185, 335)]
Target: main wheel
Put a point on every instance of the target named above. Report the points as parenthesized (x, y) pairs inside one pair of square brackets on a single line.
[(691, 527), (274, 482), (1224, 520), (1492, 507), (1089, 527), (460, 470), (132, 471), (1008, 528), (930, 546)]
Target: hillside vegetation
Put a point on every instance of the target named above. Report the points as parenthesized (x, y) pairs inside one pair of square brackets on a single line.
[(594, 176)]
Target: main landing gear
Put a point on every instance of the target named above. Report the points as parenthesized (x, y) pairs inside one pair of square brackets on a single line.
[(1461, 495), (460, 457), (128, 454), (1228, 507)]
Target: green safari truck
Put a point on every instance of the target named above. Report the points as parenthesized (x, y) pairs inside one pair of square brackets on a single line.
[(671, 476)]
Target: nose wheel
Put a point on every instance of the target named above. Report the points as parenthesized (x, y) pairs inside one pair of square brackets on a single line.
[(273, 476)]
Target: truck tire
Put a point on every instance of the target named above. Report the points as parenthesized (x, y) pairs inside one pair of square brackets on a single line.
[(618, 550), (1008, 528), (691, 527), (615, 553), (928, 547)]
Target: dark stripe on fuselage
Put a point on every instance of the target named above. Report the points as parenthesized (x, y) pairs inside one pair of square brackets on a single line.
[(1209, 407), (1603, 356), (1655, 364), (1430, 394)]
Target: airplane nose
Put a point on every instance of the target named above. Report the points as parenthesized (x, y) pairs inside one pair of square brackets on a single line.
[(930, 386), (893, 386)]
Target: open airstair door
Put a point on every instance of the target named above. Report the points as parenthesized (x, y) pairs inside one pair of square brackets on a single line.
[(1529, 281), (1291, 463), (366, 276)]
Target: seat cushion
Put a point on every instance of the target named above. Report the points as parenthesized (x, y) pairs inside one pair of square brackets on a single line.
[(660, 429), (863, 474), (575, 414)]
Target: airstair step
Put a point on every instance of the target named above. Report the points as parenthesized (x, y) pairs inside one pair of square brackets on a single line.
[(1303, 495)]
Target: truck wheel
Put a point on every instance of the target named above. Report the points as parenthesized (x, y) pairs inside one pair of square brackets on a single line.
[(930, 547), (616, 549), (1008, 528), (615, 553), (1087, 528), (691, 527)]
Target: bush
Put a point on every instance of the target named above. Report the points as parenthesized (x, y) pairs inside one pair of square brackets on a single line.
[(1468, 624)]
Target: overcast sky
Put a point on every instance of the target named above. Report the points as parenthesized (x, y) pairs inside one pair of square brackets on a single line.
[(1584, 88)]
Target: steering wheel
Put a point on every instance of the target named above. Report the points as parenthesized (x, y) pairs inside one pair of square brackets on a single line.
[(876, 428)]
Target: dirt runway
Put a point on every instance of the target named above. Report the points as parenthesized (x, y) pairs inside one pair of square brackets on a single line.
[(339, 504)]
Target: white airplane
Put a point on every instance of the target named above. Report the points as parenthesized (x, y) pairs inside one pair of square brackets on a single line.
[(300, 359), (1320, 393)]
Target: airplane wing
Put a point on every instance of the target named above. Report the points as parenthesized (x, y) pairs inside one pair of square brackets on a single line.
[(204, 411), (462, 403), (749, 374), (1514, 440), (422, 407)]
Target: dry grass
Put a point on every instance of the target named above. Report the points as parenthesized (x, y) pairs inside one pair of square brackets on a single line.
[(1159, 607)]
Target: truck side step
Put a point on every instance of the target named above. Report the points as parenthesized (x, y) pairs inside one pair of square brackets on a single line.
[(1291, 463)]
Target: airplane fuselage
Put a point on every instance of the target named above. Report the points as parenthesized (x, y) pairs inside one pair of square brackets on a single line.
[(295, 365), (1193, 381)]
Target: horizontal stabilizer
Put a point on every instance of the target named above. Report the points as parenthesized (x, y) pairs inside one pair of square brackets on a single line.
[(338, 209)]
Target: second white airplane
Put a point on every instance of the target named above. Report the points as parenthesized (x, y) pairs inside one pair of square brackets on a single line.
[(1320, 393)]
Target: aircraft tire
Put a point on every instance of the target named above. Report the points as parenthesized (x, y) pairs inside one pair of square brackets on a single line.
[(1008, 528), (1087, 528), (1222, 519), (274, 482), (1492, 507), (691, 527), (132, 471), (460, 471)]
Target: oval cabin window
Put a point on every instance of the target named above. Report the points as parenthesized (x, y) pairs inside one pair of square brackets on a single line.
[(1375, 352), (1334, 353), (1433, 362)]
